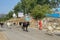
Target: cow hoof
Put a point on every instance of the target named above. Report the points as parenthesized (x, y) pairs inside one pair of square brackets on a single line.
[(26, 30)]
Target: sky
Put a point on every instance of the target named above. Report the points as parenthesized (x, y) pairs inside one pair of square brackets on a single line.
[(7, 5)]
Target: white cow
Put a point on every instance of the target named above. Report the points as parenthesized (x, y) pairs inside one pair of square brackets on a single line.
[(9, 24)]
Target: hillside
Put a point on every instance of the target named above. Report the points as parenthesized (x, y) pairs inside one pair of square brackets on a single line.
[(2, 15)]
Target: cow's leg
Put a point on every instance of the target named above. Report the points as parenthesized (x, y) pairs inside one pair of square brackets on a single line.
[(23, 28), (27, 28), (1, 25)]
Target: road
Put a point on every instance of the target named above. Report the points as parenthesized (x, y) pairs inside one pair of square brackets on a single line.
[(16, 33)]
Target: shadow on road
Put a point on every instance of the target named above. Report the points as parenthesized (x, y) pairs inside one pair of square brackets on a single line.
[(57, 34)]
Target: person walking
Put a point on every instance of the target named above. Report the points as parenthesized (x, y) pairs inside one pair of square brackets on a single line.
[(40, 24)]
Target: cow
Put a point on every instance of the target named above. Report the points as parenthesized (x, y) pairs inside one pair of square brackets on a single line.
[(24, 25), (1, 24)]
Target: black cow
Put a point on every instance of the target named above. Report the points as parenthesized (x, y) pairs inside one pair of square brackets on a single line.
[(20, 23), (25, 25), (1, 24)]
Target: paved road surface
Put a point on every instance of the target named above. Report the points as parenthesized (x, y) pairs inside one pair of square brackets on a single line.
[(16, 33)]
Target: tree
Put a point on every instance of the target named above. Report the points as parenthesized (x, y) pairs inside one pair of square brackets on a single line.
[(27, 5), (9, 15), (18, 8), (42, 2), (39, 11), (37, 8)]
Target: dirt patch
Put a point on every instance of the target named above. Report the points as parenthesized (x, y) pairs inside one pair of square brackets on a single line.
[(3, 36)]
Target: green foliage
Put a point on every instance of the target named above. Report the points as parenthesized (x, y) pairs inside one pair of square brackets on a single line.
[(27, 5), (39, 11), (52, 3), (3, 19), (37, 8), (18, 8), (9, 15), (42, 2)]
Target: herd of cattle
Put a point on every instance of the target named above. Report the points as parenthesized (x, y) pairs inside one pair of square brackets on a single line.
[(23, 24)]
